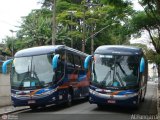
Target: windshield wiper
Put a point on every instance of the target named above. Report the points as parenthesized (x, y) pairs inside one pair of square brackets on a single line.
[(120, 80), (103, 83), (121, 69), (36, 76), (106, 77)]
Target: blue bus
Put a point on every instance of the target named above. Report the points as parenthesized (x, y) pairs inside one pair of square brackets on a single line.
[(48, 75), (119, 76)]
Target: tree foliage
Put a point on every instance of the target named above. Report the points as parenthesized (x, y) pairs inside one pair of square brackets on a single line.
[(149, 20), (76, 20)]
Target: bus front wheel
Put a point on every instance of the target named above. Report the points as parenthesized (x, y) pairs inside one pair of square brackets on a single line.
[(69, 100), (33, 107), (100, 106), (144, 95), (138, 102)]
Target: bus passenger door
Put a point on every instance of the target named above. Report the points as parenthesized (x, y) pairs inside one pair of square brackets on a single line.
[(71, 71), (60, 70)]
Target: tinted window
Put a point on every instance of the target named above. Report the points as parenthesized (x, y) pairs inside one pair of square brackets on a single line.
[(77, 61), (70, 60)]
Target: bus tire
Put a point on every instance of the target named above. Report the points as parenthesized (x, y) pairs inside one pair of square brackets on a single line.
[(138, 101), (143, 99), (43, 106), (33, 107), (100, 106), (69, 100), (87, 98), (136, 106)]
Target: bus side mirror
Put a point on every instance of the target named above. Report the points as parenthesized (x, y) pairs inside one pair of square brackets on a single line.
[(4, 65), (55, 61), (142, 65), (86, 61)]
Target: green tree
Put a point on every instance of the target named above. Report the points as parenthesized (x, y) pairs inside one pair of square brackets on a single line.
[(36, 28), (107, 19), (149, 20), (103, 14)]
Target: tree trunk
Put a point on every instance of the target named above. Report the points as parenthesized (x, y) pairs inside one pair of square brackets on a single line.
[(158, 68)]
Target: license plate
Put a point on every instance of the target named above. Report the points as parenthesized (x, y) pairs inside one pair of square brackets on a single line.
[(31, 101), (111, 101)]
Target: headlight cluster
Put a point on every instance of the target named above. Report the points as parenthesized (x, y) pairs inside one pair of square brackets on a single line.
[(92, 91), (132, 95), (50, 92), (14, 95)]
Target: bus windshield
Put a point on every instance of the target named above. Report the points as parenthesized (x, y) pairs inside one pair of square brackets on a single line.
[(115, 71), (32, 72)]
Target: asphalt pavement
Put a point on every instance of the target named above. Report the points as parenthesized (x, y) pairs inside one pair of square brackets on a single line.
[(82, 110)]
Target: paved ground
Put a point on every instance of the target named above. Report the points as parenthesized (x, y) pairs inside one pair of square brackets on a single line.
[(83, 110)]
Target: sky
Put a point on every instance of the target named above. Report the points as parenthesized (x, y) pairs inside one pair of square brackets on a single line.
[(145, 38), (11, 12), (136, 5)]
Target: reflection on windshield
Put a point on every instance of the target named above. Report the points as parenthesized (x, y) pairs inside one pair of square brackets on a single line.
[(33, 72), (115, 71)]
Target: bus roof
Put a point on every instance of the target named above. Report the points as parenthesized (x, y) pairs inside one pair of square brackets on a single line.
[(44, 50), (118, 50)]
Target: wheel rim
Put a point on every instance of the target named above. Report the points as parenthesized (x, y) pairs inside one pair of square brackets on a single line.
[(69, 98)]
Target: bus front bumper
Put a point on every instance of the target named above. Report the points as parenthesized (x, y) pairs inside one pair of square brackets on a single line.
[(34, 100), (105, 99)]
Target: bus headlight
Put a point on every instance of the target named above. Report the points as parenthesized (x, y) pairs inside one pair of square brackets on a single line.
[(50, 92), (132, 95), (13, 95), (91, 91)]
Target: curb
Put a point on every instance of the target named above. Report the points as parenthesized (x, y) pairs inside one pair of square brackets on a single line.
[(12, 110), (158, 104)]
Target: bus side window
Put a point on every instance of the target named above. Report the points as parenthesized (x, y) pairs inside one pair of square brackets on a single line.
[(82, 62), (82, 70), (77, 62), (61, 66), (70, 61)]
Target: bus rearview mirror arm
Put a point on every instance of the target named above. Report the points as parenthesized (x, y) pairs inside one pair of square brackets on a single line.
[(142, 65), (4, 66)]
